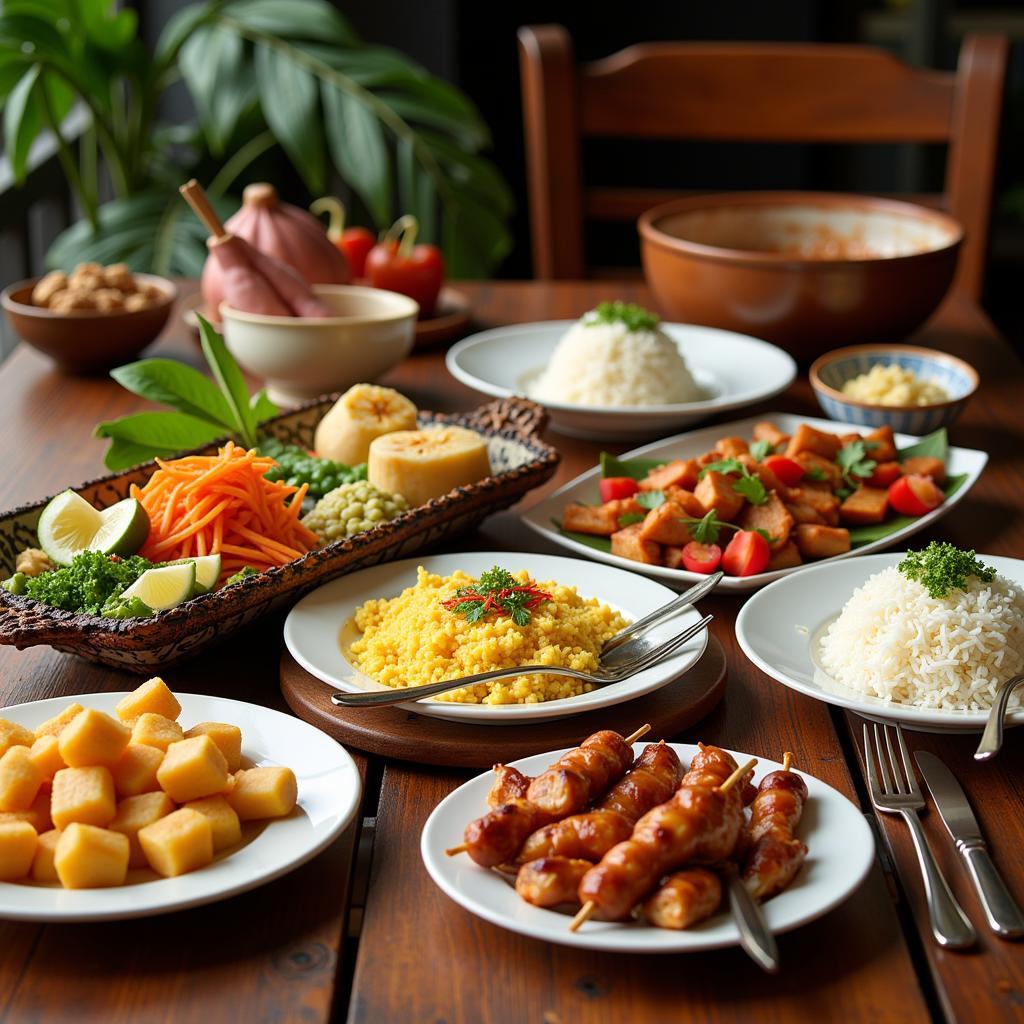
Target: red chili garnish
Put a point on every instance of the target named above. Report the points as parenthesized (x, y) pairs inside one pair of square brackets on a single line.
[(497, 591)]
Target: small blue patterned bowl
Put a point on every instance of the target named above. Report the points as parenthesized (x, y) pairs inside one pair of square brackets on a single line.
[(831, 371)]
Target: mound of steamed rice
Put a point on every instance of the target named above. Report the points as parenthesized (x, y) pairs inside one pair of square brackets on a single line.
[(609, 365), (892, 640)]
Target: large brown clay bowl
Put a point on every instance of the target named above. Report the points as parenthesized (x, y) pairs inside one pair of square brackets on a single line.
[(808, 271), (88, 340)]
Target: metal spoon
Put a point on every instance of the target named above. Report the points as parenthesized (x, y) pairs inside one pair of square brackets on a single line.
[(992, 737)]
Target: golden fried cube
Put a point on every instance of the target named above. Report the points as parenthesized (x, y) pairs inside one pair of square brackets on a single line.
[(37, 815), (14, 735), (84, 795), (43, 868), (263, 793), (227, 737), (152, 697), (156, 731), (135, 770), (193, 768), (20, 779), (45, 754), (180, 842), (136, 812), (92, 737), (88, 857), (227, 829), (54, 726), (17, 848)]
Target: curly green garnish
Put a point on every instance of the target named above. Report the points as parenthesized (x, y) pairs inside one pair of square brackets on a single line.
[(942, 567), (635, 317)]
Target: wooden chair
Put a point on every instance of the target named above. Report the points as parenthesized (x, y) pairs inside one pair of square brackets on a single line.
[(748, 92)]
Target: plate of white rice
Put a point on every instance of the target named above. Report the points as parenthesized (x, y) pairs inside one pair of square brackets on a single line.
[(604, 381), (864, 636)]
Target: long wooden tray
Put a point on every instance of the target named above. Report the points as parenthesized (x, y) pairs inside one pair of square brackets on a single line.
[(394, 732)]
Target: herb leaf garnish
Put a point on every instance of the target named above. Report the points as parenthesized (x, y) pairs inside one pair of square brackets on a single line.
[(497, 592), (748, 485), (760, 450), (650, 499), (635, 317), (853, 462), (942, 567)]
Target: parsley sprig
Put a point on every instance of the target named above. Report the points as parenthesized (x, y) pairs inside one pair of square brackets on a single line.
[(942, 567), (635, 317), (853, 461), (748, 485), (497, 592), (707, 529), (760, 450)]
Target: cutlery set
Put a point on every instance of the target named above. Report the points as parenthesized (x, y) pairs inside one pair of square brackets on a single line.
[(894, 790)]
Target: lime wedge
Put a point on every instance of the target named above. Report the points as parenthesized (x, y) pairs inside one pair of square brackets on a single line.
[(164, 587), (67, 526), (207, 571), (124, 529)]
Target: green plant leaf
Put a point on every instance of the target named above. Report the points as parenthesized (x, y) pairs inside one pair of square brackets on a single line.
[(294, 19), (262, 407), (475, 239), (636, 469), (935, 445), (231, 382), (214, 67), (597, 543), (417, 193), (106, 26), (861, 535), (179, 29), (148, 435), (435, 103), (290, 103), (357, 148), (471, 173), (372, 67), (181, 387), (22, 122)]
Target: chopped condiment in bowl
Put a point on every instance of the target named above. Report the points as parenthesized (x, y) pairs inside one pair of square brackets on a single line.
[(891, 384)]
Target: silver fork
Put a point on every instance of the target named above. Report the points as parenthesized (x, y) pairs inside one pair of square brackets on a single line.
[(901, 795), (604, 674)]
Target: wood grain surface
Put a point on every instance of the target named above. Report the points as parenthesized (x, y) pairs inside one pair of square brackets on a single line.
[(404, 736), (280, 954)]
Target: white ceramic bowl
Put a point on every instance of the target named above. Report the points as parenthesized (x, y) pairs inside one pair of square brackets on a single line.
[(302, 357), (732, 370)]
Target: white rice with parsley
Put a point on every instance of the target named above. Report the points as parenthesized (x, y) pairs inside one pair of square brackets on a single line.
[(608, 363), (894, 641)]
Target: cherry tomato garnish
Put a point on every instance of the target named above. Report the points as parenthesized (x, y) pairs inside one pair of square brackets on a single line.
[(746, 555), (885, 473), (915, 495), (398, 265), (612, 488), (702, 558), (355, 244), (789, 471)]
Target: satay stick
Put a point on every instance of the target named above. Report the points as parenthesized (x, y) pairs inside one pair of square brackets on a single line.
[(736, 776), (642, 731), (582, 916), (787, 759), (453, 851), (193, 194)]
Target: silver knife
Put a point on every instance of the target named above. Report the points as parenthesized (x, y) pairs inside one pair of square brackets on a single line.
[(756, 937), (1004, 915)]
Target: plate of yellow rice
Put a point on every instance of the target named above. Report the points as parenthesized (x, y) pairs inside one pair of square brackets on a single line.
[(418, 621)]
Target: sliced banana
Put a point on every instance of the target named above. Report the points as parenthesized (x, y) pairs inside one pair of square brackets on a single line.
[(364, 412), (424, 464)]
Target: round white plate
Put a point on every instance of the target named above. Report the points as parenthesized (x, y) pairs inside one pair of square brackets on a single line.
[(543, 517), (841, 851), (313, 628), (329, 790), (779, 626), (733, 370)]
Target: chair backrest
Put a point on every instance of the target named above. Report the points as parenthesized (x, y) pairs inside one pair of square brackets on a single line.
[(748, 92)]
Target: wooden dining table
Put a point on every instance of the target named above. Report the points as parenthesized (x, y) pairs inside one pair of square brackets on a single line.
[(361, 933)]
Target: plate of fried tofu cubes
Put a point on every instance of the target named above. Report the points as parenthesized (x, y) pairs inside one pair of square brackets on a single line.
[(118, 805)]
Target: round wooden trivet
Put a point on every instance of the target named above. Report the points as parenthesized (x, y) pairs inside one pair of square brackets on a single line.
[(394, 732)]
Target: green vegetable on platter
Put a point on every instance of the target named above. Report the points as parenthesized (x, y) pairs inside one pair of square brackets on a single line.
[(942, 568)]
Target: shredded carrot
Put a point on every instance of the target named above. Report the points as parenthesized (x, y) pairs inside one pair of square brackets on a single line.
[(223, 504)]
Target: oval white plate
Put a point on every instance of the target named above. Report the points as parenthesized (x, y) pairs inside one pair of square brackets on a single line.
[(329, 790), (771, 631), (539, 518), (733, 369), (313, 626), (841, 851)]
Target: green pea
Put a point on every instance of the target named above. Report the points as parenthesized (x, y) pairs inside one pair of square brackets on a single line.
[(374, 515)]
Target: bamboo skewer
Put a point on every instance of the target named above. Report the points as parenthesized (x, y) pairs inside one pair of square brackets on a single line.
[(582, 916), (787, 760), (193, 194), (454, 851), (642, 731)]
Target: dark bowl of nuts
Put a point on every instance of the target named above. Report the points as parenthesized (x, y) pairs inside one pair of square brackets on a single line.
[(91, 319)]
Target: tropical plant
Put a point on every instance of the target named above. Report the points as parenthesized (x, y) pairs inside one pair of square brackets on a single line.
[(262, 74)]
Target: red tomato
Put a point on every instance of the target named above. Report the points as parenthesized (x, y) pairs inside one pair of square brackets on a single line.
[(396, 264), (355, 244), (915, 495), (612, 488), (747, 554), (789, 471), (885, 473), (702, 558)]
